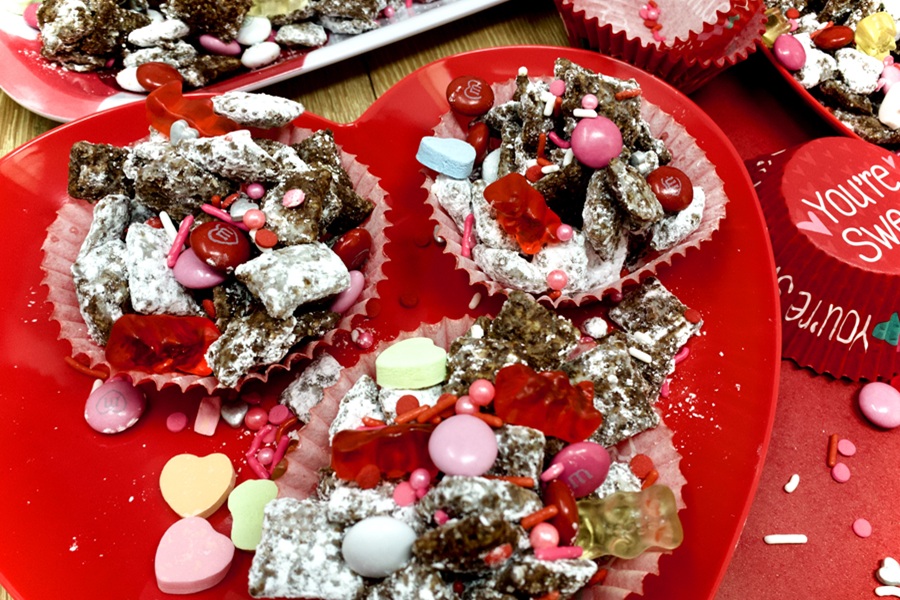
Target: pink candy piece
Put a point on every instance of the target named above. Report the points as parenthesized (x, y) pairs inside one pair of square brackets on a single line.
[(840, 473), (463, 445), (293, 198), (440, 517), (595, 142), (585, 466), (558, 87), (254, 218), (348, 297), (265, 455), (565, 233), (789, 52), (256, 191), (468, 239), (682, 354), (192, 557), (216, 46), (114, 406), (278, 414), (846, 448), (544, 535), (195, 274), (30, 15), (364, 339), (208, 415), (176, 422), (862, 528), (553, 472), (589, 102), (465, 406), (388, 12), (561, 143), (222, 215), (404, 494), (255, 418), (558, 552), (257, 468), (557, 279), (280, 449), (880, 404), (481, 391), (184, 230), (420, 479)]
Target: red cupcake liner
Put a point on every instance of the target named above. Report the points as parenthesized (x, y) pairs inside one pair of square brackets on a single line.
[(686, 155), (66, 233), (687, 64), (313, 453), (833, 306)]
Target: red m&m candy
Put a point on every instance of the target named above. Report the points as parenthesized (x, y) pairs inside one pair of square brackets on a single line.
[(672, 188), (469, 95)]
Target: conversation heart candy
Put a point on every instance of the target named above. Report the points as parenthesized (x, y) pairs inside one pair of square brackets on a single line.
[(889, 573), (246, 503), (196, 486), (191, 557), (412, 364), (454, 158)]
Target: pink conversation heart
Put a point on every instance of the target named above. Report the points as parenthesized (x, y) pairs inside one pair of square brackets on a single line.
[(814, 224), (192, 557)]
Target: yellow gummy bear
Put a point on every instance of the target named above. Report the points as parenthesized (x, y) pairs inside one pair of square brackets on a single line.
[(875, 35), (625, 524)]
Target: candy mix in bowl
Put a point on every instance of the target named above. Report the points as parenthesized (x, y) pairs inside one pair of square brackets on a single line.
[(566, 187), (843, 54), (506, 457), (257, 279)]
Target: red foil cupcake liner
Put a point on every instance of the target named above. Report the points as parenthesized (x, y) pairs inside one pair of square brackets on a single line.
[(66, 233), (833, 212), (313, 453), (686, 155), (703, 45)]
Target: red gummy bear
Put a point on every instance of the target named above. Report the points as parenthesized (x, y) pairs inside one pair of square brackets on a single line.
[(395, 450), (166, 104), (161, 343), (546, 401), (522, 212)]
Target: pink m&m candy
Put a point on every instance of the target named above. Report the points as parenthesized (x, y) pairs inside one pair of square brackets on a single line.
[(880, 404), (789, 52), (114, 406), (463, 445), (216, 46), (30, 15), (595, 142), (195, 274), (586, 465)]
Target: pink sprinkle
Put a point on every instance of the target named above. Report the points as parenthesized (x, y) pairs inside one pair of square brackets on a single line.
[(558, 552), (658, 36), (176, 422), (278, 414), (840, 473), (388, 12), (364, 339), (269, 435), (467, 238), (682, 354), (421, 493), (664, 389), (862, 528), (280, 450), (408, 3), (440, 517), (565, 232), (258, 439), (257, 468), (404, 494), (222, 215), (208, 415), (560, 143), (553, 472), (558, 87), (264, 456), (293, 197), (846, 448), (184, 229), (256, 191), (590, 102)]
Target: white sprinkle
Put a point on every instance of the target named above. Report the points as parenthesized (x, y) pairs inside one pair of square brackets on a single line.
[(549, 169), (640, 355), (530, 163), (436, 237), (584, 113), (168, 226), (523, 71), (546, 96), (548, 106), (475, 301), (642, 338), (97, 383), (785, 538), (887, 590), (792, 484), (568, 157)]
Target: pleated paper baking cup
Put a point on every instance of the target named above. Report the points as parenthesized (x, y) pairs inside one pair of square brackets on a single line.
[(833, 211), (686, 155), (313, 453), (701, 38), (67, 232)]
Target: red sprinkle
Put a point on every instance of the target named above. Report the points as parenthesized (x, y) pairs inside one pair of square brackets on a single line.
[(498, 555), (792, 13), (598, 577), (534, 173), (443, 403), (492, 420), (372, 422), (539, 516), (651, 478), (155, 222), (554, 595), (831, 457), (641, 465), (229, 200), (626, 94), (209, 307), (693, 316), (525, 482), (410, 415), (406, 403), (266, 238)]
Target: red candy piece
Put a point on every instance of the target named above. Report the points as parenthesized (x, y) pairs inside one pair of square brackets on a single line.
[(560, 495), (161, 343), (546, 401), (469, 95), (166, 104), (153, 75), (672, 188), (221, 245), (522, 212), (353, 248), (478, 137), (396, 450)]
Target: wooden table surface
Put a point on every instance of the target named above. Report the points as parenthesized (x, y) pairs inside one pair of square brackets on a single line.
[(343, 91)]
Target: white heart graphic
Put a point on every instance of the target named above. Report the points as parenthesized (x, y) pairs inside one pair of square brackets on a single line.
[(889, 573)]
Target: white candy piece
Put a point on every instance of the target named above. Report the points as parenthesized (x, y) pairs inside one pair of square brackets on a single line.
[(887, 590), (889, 111), (889, 573), (127, 80), (260, 55), (254, 30), (378, 546), (792, 484), (785, 538)]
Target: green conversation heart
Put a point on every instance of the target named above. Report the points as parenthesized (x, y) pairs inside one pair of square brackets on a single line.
[(889, 331)]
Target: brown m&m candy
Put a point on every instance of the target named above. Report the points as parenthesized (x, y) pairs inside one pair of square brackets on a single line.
[(672, 188), (220, 245), (832, 38), (469, 95)]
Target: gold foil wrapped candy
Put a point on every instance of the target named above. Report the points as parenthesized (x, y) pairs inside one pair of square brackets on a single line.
[(776, 24), (875, 35)]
